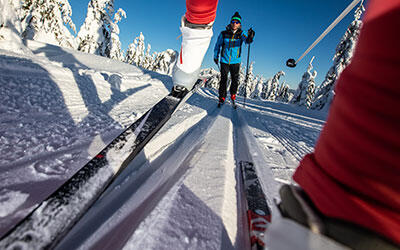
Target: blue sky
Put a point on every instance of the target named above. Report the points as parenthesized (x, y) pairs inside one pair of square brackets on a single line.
[(284, 29)]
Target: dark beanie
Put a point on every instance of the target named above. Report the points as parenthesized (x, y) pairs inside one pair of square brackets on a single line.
[(236, 16)]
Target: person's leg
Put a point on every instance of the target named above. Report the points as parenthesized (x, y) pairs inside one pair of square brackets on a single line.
[(234, 69), (201, 11), (353, 175), (196, 28), (223, 82)]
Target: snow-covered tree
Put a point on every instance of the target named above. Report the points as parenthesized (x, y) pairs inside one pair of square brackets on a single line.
[(305, 92), (213, 77), (44, 20), (10, 25), (271, 86), (259, 84), (247, 85), (342, 57), (9, 16), (283, 94), (99, 33), (114, 45), (136, 52), (164, 62), (149, 58)]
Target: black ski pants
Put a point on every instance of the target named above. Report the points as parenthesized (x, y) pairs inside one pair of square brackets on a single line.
[(234, 70)]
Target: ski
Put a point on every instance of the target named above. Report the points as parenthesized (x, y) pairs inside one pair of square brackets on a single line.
[(258, 212), (44, 227)]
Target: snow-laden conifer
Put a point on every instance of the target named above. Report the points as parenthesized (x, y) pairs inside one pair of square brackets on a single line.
[(9, 10), (283, 94), (45, 20), (11, 28), (99, 33), (213, 77), (114, 45), (164, 61), (272, 86), (136, 51), (305, 92), (342, 57), (148, 58), (258, 88), (247, 84)]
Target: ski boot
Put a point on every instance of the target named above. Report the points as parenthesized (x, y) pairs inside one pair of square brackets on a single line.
[(221, 101), (195, 41), (296, 218), (179, 91), (233, 98)]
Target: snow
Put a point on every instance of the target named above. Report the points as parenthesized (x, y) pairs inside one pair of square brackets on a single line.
[(60, 107), (10, 201)]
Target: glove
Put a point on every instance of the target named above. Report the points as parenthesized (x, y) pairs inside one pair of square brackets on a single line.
[(216, 60), (250, 35)]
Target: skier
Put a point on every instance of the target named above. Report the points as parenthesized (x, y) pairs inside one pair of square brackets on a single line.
[(349, 187), (229, 44), (196, 28)]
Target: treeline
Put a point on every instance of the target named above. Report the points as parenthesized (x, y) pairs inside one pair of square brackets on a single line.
[(50, 21)]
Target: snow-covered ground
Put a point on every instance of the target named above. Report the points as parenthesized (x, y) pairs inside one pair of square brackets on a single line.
[(59, 108)]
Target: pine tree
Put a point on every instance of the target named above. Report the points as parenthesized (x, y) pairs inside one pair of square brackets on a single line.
[(114, 45), (99, 33), (259, 82), (248, 84), (342, 57), (305, 92), (130, 54), (44, 20), (272, 85), (139, 56), (283, 93), (213, 78), (164, 62), (10, 20), (148, 58), (140, 51)]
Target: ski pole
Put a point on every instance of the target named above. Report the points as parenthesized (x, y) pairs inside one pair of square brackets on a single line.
[(247, 77), (292, 63)]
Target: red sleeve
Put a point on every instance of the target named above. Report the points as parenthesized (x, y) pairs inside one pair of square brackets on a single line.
[(354, 173), (201, 11)]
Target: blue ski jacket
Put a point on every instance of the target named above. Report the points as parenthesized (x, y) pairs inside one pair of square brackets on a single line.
[(229, 44)]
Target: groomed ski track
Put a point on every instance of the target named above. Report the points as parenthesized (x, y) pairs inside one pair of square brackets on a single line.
[(184, 190)]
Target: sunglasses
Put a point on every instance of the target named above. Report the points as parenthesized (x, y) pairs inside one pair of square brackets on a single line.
[(235, 22)]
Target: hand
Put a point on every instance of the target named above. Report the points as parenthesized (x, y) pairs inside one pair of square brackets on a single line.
[(216, 60), (250, 35)]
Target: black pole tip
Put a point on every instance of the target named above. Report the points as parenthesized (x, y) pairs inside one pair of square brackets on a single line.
[(291, 63)]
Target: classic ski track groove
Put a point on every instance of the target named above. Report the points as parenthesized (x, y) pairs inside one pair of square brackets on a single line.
[(140, 211), (289, 139)]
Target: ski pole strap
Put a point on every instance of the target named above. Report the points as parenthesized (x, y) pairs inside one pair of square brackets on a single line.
[(337, 20)]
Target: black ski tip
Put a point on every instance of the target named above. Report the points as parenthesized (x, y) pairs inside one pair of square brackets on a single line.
[(291, 63)]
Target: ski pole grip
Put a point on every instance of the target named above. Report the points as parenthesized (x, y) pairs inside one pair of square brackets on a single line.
[(291, 63)]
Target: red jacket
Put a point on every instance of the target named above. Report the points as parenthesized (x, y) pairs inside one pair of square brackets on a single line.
[(354, 173)]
